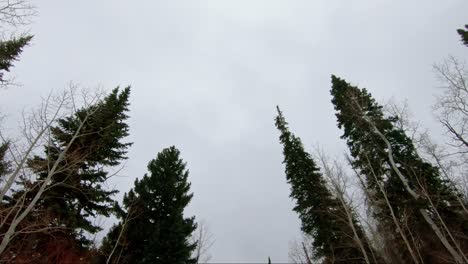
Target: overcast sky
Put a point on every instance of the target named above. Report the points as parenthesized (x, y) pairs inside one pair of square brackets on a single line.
[(206, 77)]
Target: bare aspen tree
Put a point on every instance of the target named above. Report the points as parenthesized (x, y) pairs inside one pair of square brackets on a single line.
[(416, 191), (320, 211), (338, 180), (416, 194), (448, 161), (204, 240), (414, 252), (300, 251), (130, 215), (451, 170), (451, 109), (452, 105), (16, 13), (414, 129), (378, 239), (434, 152), (37, 130)]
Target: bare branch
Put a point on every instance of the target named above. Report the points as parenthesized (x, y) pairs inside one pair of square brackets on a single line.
[(204, 240), (336, 176), (36, 129), (16, 12), (300, 251), (405, 180)]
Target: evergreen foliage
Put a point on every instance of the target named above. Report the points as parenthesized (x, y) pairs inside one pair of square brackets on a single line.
[(322, 215), (155, 229), (9, 52), (4, 165), (152, 227), (359, 115), (464, 35), (77, 193), (5, 169)]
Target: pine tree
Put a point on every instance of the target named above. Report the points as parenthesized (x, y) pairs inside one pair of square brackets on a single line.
[(9, 52), (464, 35), (384, 153), (155, 229), (322, 215), (76, 192)]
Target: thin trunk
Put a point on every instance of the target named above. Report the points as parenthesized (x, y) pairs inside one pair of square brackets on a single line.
[(11, 230), (442, 238), (306, 254), (20, 165), (116, 244), (416, 196), (445, 173), (345, 207), (392, 213)]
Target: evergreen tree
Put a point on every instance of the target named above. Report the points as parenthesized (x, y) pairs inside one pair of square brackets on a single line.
[(5, 168), (464, 35), (4, 165), (9, 52), (77, 193), (381, 151), (154, 227), (322, 215)]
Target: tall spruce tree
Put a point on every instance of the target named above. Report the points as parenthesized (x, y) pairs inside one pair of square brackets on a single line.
[(385, 155), (322, 215), (153, 228), (77, 193)]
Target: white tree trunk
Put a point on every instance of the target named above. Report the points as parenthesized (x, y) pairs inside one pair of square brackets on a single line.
[(18, 218), (404, 180)]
